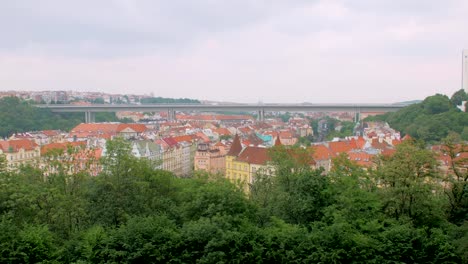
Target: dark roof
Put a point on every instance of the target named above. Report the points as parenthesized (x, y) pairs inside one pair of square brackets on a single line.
[(254, 155), (236, 147)]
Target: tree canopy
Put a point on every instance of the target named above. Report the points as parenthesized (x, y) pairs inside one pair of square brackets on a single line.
[(131, 213), (17, 115), (431, 120)]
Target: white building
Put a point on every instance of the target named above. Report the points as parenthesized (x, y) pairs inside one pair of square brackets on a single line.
[(465, 70)]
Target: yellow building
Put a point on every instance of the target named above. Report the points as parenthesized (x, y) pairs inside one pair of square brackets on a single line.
[(236, 171), (243, 164)]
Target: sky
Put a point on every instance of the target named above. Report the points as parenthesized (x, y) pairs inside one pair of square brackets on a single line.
[(270, 51)]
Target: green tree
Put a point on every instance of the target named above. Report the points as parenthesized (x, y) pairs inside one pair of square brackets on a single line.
[(296, 193), (458, 97), (457, 178), (410, 184)]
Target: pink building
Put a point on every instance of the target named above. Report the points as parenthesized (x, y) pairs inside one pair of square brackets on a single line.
[(210, 158)]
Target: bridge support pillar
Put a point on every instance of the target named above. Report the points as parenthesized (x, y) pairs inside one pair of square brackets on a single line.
[(261, 115), (171, 115), (90, 117)]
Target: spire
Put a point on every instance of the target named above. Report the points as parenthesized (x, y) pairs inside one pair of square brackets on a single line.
[(236, 147), (277, 141)]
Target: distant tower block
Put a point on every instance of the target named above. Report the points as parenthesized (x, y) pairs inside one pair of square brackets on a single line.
[(465, 70)]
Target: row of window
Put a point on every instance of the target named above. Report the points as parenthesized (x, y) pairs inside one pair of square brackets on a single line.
[(27, 155)]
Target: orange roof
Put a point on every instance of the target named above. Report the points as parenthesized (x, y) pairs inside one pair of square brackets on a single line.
[(95, 128), (361, 158), (185, 138), (340, 147), (104, 130), (388, 152), (360, 142), (16, 145), (254, 155), (321, 152), (379, 145), (50, 133), (222, 131), (63, 146), (139, 128), (244, 130), (203, 137)]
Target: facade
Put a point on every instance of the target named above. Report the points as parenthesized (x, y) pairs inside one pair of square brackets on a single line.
[(465, 70), (20, 152), (234, 171), (243, 164), (70, 158), (149, 150), (210, 159)]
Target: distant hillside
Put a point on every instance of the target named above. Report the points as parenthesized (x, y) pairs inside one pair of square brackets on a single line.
[(19, 116), (430, 120), (162, 100)]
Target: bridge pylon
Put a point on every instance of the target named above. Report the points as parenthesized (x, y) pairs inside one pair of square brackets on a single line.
[(90, 117)]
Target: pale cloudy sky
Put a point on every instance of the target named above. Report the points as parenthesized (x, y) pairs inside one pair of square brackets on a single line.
[(368, 51)]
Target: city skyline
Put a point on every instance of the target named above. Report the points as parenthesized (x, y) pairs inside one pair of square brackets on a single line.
[(243, 51)]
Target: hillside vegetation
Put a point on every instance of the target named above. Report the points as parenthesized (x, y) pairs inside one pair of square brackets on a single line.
[(431, 120), (19, 116)]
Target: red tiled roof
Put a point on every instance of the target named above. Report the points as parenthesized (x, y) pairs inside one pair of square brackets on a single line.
[(139, 128), (63, 146), (340, 147), (50, 133), (361, 158), (321, 152), (254, 155), (222, 131), (186, 138), (15, 145), (388, 152), (379, 145), (170, 141)]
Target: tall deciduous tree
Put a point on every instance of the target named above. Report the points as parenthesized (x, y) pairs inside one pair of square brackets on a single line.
[(457, 178), (409, 183)]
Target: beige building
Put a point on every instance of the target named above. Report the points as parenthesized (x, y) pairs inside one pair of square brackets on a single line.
[(19, 152)]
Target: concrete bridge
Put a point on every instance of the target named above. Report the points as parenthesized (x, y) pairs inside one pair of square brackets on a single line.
[(90, 110)]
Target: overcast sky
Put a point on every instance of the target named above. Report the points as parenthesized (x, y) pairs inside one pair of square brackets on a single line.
[(362, 51)]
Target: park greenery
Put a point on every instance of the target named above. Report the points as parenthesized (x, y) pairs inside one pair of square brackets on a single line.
[(18, 116), (432, 119), (398, 212)]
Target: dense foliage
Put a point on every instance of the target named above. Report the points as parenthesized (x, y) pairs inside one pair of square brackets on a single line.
[(431, 120), (162, 100), (131, 213), (19, 116)]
